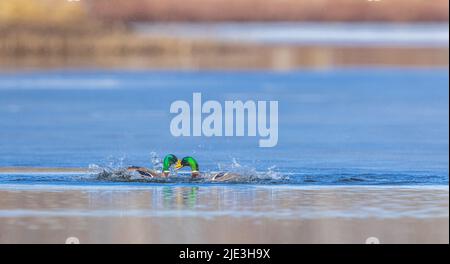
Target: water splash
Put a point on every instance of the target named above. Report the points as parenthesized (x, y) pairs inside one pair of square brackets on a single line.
[(156, 161), (247, 174), (116, 171)]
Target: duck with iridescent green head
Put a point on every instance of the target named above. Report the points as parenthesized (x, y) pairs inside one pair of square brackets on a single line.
[(188, 162), (193, 164), (168, 161)]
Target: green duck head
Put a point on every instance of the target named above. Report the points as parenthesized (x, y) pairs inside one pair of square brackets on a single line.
[(187, 162), (169, 160)]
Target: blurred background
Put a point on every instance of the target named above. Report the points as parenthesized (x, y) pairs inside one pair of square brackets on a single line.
[(363, 99), (222, 34)]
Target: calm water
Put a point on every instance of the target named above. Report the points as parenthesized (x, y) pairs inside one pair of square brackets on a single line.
[(339, 127)]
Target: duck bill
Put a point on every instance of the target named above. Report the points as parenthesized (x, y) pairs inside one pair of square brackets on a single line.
[(178, 165)]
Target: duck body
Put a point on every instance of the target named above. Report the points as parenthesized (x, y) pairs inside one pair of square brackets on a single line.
[(168, 161), (193, 164), (188, 161), (145, 172), (224, 176)]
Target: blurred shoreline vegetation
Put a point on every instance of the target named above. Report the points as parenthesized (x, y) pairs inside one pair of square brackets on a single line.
[(272, 10), (42, 12), (96, 33)]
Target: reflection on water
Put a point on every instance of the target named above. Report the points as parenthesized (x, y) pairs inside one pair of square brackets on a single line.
[(179, 197), (237, 201), (248, 214)]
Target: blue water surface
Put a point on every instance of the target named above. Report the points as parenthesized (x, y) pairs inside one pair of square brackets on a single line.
[(349, 126)]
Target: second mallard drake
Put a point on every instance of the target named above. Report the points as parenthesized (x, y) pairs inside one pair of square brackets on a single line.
[(193, 164), (188, 162)]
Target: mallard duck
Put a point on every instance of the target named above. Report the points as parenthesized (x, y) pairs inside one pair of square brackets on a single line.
[(193, 164), (168, 161), (188, 162)]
